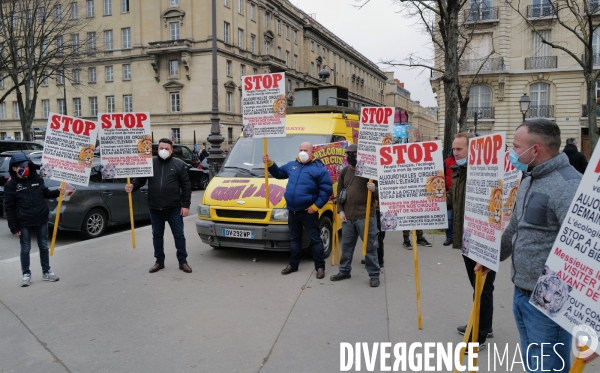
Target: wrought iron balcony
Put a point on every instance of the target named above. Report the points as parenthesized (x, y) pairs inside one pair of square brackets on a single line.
[(595, 58), (541, 111), (481, 14), (547, 62), (584, 111), (484, 112), (540, 10), (167, 46), (486, 65)]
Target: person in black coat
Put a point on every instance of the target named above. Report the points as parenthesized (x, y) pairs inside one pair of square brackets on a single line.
[(576, 158)]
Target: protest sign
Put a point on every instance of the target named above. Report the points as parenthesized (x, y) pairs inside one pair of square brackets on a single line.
[(376, 128), (264, 105), (568, 290), (412, 192), (484, 200), (512, 181), (69, 149), (125, 145), (333, 156)]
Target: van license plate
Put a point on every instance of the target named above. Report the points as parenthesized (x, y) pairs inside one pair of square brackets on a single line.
[(237, 233)]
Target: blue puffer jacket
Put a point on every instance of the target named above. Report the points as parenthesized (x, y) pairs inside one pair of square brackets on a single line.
[(308, 185)]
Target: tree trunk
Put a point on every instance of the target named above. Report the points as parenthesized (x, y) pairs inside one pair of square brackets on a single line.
[(591, 104), (450, 79)]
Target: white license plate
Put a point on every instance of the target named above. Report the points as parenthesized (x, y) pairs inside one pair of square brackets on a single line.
[(237, 233)]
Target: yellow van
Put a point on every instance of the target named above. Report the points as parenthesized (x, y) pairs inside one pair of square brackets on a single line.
[(233, 211)]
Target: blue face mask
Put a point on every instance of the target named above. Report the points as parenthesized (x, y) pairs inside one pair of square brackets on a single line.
[(514, 159), (461, 162)]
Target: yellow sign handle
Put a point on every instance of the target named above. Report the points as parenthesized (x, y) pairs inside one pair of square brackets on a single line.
[(579, 365), (334, 234), (131, 217), (56, 219), (473, 324), (266, 172), (366, 232), (417, 282)]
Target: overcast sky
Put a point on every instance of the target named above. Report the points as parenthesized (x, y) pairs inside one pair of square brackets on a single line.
[(379, 33)]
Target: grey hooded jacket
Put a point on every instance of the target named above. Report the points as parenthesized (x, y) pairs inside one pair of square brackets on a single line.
[(542, 203)]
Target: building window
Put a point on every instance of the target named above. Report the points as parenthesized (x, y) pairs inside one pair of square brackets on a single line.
[(295, 37), (58, 13), (93, 106), (108, 40), (18, 136), (480, 101), (255, 71), (59, 44), (176, 135), (267, 47), (107, 7), (228, 101), (240, 6), (128, 103), (126, 36), (295, 62), (76, 107), (109, 73), (91, 40), (76, 76), (278, 27), (73, 10), (540, 101), (60, 79), (241, 38), (124, 6), (110, 104), (75, 42), (174, 27), (287, 58), (226, 3), (2, 135), (267, 17), (278, 52), (16, 113), (174, 100), (253, 43), (226, 32), (253, 12), (312, 68), (312, 46), (173, 67), (242, 70), (3, 114), (90, 8), (287, 32), (228, 67), (45, 108), (174, 2), (92, 75), (61, 106), (126, 72), (44, 79)]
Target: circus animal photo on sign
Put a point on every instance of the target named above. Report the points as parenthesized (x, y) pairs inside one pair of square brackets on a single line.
[(387, 140), (144, 147), (389, 221), (511, 200), (46, 171), (109, 172), (86, 155), (466, 242), (249, 131), (495, 205), (279, 106), (550, 293), (359, 168), (435, 186)]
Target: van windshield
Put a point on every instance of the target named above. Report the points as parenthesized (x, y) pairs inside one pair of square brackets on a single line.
[(247, 152)]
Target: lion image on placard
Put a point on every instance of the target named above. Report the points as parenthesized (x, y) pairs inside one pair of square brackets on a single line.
[(279, 106), (550, 293), (387, 139), (389, 221), (86, 155), (144, 147), (435, 187), (511, 200), (495, 204)]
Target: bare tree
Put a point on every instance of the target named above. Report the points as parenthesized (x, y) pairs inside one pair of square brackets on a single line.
[(575, 16), (41, 40)]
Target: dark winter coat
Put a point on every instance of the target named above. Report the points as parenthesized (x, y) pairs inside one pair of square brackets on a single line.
[(24, 198), (456, 202), (170, 186), (576, 158)]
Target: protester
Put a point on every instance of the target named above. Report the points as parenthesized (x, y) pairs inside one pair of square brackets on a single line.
[(353, 213), (456, 203), (169, 199), (448, 163), (203, 154), (27, 213), (576, 158), (420, 239), (308, 189)]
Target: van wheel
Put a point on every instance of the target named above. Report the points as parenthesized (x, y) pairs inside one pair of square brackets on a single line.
[(326, 231), (203, 182), (94, 224)]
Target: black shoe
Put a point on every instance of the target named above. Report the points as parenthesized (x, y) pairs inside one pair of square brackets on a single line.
[(374, 282), (320, 273), (407, 245), (362, 261), (448, 242), (287, 270), (423, 242), (340, 276), (462, 329)]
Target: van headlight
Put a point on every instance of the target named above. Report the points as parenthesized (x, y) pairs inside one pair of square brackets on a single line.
[(204, 210), (279, 215)]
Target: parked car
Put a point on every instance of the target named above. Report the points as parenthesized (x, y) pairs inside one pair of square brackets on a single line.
[(103, 203), (199, 175), (8, 145), (4, 176)]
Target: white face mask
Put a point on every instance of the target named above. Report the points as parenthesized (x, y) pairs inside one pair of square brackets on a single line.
[(163, 153), (303, 156)]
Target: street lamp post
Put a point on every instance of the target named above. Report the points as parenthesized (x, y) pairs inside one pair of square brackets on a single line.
[(216, 158), (524, 104), (324, 74), (476, 117)]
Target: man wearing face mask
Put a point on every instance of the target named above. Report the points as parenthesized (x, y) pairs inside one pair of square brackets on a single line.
[(308, 189), (169, 199), (27, 212), (456, 203), (543, 200)]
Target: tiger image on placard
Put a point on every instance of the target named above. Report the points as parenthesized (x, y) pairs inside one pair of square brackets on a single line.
[(109, 172), (86, 156), (389, 221), (495, 205), (279, 106), (551, 293), (46, 171), (144, 147), (435, 186)]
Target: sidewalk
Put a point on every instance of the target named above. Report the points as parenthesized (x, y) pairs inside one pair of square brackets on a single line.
[(232, 314)]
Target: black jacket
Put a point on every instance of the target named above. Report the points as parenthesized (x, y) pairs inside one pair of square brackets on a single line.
[(24, 200), (576, 158), (169, 187)]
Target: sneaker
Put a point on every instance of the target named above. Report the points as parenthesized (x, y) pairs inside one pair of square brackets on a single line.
[(482, 346), (26, 281), (50, 276), (462, 329), (448, 242), (374, 282), (407, 245), (340, 276), (423, 242)]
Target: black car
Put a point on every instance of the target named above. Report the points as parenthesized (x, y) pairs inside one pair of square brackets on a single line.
[(199, 175), (4, 176)]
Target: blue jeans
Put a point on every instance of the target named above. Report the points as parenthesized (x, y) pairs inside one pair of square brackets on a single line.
[(41, 232), (302, 219), (450, 230), (351, 230), (158, 219), (543, 336)]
